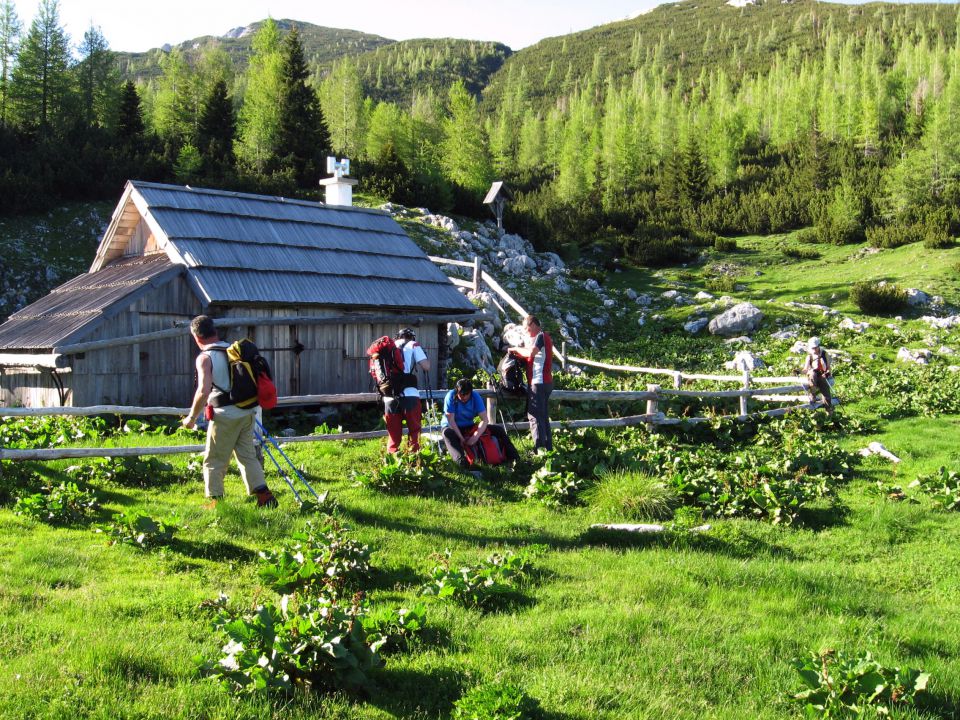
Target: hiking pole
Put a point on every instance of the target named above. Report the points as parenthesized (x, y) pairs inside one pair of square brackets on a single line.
[(289, 461), (280, 470), (434, 421)]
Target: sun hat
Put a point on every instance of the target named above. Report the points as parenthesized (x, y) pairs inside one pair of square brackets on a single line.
[(814, 342)]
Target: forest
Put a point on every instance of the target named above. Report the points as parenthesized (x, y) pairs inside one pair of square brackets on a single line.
[(636, 142)]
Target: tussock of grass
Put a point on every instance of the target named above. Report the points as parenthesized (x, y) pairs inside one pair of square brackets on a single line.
[(625, 495)]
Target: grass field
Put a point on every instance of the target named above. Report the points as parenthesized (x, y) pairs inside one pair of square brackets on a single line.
[(681, 627)]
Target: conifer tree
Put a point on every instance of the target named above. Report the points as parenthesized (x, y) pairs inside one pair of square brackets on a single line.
[(259, 118), (302, 135), (341, 97), (40, 85), (9, 42), (173, 116), (216, 130), (99, 81), (465, 159), (130, 117)]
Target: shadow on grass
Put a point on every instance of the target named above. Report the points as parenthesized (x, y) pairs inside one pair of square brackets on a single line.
[(739, 544), (397, 578), (217, 550), (555, 542), (824, 518), (936, 705), (409, 693)]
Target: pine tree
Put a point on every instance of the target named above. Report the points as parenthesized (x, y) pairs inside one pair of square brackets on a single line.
[(216, 131), (9, 41), (40, 84), (130, 117), (302, 136)]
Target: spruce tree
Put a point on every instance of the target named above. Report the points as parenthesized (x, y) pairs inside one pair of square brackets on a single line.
[(216, 130), (9, 41), (130, 118), (302, 137), (98, 79), (40, 85)]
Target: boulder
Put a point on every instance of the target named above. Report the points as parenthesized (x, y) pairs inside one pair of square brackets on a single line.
[(644, 300), (519, 265), (920, 357), (608, 303), (744, 360), (739, 319), (631, 293), (562, 285), (591, 285), (670, 294), (858, 327), (695, 326), (784, 335), (477, 353), (917, 297), (703, 296), (453, 335)]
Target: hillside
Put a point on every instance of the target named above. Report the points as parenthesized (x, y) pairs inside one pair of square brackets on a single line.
[(686, 38), (322, 46)]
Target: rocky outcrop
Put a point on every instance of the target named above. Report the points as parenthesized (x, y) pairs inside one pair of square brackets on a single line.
[(742, 318)]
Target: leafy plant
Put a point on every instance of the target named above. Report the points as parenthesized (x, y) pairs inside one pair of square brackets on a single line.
[(554, 488), (321, 556), (323, 504), (400, 473), (944, 486), (310, 642), (64, 504), (138, 530), (840, 685), (126, 471), (396, 625), (481, 586), (49, 431), (496, 701)]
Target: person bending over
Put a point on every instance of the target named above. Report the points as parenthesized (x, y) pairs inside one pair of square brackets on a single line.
[(462, 408)]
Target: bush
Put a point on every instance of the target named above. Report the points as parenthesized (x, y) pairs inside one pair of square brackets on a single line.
[(801, 253), (807, 236), (722, 244), (658, 252), (876, 298), (722, 283)]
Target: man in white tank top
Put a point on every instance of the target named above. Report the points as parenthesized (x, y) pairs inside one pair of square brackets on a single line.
[(230, 431)]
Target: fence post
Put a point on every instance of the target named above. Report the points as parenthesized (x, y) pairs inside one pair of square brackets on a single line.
[(492, 409), (744, 398), (677, 379), (563, 356), (476, 274), (653, 404)]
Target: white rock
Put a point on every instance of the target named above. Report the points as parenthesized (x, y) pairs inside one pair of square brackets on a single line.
[(877, 448), (514, 335), (519, 265), (742, 339), (477, 353), (453, 335), (609, 303), (741, 318), (631, 293), (917, 297), (944, 350), (572, 319), (695, 326), (670, 294), (799, 348), (599, 321), (920, 357), (703, 296), (858, 327), (644, 300), (642, 320), (744, 360), (943, 323), (561, 284), (783, 335), (811, 306), (592, 285)]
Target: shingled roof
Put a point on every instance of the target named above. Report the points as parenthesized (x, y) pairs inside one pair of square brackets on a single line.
[(239, 249)]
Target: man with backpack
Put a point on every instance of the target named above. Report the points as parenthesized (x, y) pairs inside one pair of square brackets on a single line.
[(406, 405), (231, 419), (538, 352), (818, 372), (462, 408)]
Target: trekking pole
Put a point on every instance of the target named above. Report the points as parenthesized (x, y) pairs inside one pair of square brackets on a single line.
[(432, 414), (289, 461), (280, 470)]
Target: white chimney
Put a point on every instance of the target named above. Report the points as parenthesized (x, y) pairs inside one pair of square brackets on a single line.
[(339, 189)]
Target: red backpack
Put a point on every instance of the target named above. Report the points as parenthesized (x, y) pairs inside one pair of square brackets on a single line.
[(486, 451), (386, 368)]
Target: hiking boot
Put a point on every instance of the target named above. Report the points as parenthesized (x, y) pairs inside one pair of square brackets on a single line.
[(211, 503), (265, 498)]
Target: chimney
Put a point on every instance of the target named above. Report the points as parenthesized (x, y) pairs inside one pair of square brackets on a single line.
[(339, 189)]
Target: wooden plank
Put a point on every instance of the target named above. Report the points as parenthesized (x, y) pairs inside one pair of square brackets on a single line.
[(28, 360), (449, 261)]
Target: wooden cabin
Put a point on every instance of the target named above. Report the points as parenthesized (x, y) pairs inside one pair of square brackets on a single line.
[(311, 284)]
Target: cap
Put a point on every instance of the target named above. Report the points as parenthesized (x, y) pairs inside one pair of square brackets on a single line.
[(407, 334), (814, 342)]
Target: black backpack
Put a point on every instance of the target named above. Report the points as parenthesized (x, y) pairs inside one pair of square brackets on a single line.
[(511, 375), (246, 366)]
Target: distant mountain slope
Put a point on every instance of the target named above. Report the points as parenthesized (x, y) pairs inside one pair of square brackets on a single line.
[(322, 46), (690, 36), (394, 72)]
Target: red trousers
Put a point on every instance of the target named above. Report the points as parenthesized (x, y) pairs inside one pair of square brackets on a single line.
[(398, 410)]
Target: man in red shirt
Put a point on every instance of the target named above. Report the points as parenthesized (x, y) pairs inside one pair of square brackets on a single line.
[(538, 352)]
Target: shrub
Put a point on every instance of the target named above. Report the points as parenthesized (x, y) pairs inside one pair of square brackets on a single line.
[(878, 298), (65, 504), (841, 685), (937, 239), (721, 283), (658, 252), (801, 253), (944, 486), (807, 236), (482, 586), (722, 244), (496, 701)]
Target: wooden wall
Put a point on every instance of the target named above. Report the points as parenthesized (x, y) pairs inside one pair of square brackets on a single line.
[(30, 387)]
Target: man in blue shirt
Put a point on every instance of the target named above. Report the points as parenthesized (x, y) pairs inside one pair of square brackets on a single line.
[(461, 408)]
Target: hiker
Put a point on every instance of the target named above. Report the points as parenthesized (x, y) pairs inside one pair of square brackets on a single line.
[(538, 352), (407, 405), (462, 407), (230, 430), (817, 369)]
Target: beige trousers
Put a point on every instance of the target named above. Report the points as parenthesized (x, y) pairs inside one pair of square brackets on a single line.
[(231, 433)]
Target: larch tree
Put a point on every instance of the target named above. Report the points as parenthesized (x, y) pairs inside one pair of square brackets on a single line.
[(40, 86), (258, 123), (341, 97), (465, 159), (173, 109), (9, 42)]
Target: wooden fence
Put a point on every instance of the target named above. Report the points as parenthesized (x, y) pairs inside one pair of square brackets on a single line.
[(653, 416)]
